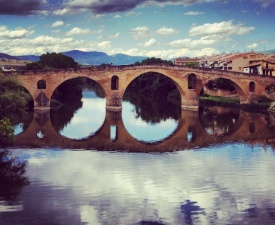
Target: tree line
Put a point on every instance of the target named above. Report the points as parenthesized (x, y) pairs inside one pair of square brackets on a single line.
[(52, 61)]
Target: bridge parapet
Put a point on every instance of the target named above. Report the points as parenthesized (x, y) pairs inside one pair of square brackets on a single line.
[(134, 67)]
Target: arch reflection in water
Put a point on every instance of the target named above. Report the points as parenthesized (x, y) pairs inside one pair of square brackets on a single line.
[(143, 130), (219, 121), (86, 120)]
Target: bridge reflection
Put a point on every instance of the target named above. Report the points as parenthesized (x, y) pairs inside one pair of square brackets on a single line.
[(194, 130)]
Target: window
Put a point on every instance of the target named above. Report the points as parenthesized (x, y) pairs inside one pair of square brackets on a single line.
[(252, 86), (41, 84), (192, 81), (114, 83)]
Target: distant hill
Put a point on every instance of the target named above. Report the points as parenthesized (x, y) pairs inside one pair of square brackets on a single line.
[(86, 58), (3, 55), (268, 52), (97, 58), (126, 59), (33, 58)]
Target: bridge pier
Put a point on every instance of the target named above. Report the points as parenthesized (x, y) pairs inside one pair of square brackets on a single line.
[(114, 101), (190, 101), (41, 102)]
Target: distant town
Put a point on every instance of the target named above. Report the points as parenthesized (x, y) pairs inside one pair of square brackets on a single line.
[(247, 62), (8, 64)]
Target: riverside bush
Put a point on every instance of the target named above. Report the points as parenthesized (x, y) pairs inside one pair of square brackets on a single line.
[(13, 96), (6, 130)]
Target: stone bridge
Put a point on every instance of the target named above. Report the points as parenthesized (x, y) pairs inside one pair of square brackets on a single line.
[(189, 134), (115, 79)]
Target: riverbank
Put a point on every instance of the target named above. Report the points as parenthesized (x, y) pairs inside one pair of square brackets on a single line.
[(234, 102)]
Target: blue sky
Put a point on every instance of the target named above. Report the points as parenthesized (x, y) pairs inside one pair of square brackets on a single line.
[(153, 28)]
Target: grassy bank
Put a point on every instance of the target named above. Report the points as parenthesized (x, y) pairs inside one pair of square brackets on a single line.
[(262, 105)]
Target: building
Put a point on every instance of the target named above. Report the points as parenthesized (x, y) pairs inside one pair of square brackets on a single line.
[(247, 62), (262, 67), (186, 61), (10, 65)]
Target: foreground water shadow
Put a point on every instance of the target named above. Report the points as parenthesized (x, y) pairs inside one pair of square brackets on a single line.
[(107, 176), (193, 130)]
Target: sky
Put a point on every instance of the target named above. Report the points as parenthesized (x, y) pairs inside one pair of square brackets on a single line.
[(154, 28)]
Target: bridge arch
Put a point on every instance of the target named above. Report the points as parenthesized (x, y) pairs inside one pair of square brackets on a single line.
[(164, 73), (72, 78), (234, 83)]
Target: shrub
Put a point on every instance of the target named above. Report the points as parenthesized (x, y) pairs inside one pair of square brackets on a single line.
[(6, 130)]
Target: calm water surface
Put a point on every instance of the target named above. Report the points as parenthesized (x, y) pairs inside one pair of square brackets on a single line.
[(215, 166)]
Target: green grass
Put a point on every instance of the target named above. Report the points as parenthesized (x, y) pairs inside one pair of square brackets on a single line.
[(262, 105), (219, 99)]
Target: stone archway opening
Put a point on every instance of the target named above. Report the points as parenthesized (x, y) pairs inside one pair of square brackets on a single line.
[(154, 91), (218, 121), (78, 108), (220, 91), (16, 103), (149, 102)]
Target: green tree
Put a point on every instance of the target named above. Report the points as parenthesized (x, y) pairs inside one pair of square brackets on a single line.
[(156, 61), (13, 97), (192, 64), (12, 176), (6, 130), (52, 61)]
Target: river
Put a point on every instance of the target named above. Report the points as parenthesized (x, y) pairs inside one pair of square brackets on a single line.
[(152, 163)]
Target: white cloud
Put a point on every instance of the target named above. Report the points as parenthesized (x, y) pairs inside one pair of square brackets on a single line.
[(144, 31), (116, 35), (57, 23), (47, 40), (43, 44), (192, 44), (224, 28), (104, 45), (111, 6), (169, 53), (61, 12), (18, 33), (77, 31), (131, 51), (149, 43), (139, 32), (166, 31), (254, 45), (117, 17), (193, 13)]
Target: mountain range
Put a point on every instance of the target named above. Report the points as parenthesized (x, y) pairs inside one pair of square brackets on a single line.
[(94, 57), (86, 58)]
